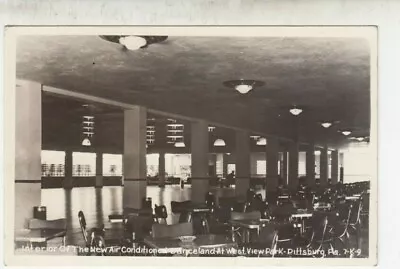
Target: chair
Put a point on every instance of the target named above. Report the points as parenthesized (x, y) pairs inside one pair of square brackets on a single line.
[(320, 236), (160, 213), (95, 237), (179, 207), (235, 231), (267, 239), (172, 230), (210, 200)]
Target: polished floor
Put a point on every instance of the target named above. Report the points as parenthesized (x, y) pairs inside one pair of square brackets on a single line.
[(98, 203)]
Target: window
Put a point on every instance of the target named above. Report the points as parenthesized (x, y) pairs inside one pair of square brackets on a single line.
[(231, 168), (178, 165), (53, 163), (83, 164), (261, 167), (112, 165), (152, 164)]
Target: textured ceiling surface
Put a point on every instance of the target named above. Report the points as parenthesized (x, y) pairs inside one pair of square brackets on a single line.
[(328, 77)]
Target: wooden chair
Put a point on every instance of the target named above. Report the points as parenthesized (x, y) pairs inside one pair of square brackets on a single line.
[(160, 213), (95, 237)]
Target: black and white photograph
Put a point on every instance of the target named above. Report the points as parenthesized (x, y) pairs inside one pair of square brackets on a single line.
[(250, 144)]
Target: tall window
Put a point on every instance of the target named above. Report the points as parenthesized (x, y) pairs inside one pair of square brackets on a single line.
[(152, 164), (231, 168), (178, 165), (83, 164), (53, 163), (261, 167), (112, 165)]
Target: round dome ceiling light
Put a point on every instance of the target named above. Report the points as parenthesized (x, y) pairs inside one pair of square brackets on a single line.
[(134, 42), (219, 143), (243, 86), (296, 111), (326, 124)]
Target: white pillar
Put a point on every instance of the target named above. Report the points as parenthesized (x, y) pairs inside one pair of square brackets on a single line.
[(28, 146), (134, 158), (310, 165), (199, 147), (99, 170), (293, 180), (335, 167), (242, 163), (323, 180), (272, 156)]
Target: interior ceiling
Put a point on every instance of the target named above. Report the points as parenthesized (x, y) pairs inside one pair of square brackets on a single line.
[(327, 77)]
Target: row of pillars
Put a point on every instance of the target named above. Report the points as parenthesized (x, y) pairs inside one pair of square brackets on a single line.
[(29, 144)]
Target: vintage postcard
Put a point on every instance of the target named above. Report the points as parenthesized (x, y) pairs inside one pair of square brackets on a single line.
[(203, 145)]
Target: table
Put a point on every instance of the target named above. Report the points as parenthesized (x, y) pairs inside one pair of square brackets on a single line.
[(39, 235), (248, 225), (174, 245), (302, 215)]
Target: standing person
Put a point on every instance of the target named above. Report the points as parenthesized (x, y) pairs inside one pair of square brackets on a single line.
[(230, 178)]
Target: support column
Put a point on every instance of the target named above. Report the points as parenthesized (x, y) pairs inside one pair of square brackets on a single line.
[(335, 167), (161, 168), (28, 146), (242, 163), (199, 146), (285, 168), (68, 179), (161, 143), (310, 165), (99, 170), (341, 167), (293, 180), (134, 158), (323, 181), (272, 156)]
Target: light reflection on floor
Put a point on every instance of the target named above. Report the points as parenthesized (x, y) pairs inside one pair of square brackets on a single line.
[(98, 203)]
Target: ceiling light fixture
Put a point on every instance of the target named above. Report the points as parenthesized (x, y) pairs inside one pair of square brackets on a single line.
[(86, 142), (134, 42), (243, 86), (317, 152), (219, 142), (360, 138), (179, 144), (296, 111), (346, 133), (326, 124), (262, 141)]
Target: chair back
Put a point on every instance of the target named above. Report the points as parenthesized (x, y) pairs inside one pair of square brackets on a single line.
[(254, 215), (179, 207), (139, 225), (82, 223), (161, 212), (356, 212), (319, 228), (268, 236), (173, 230)]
